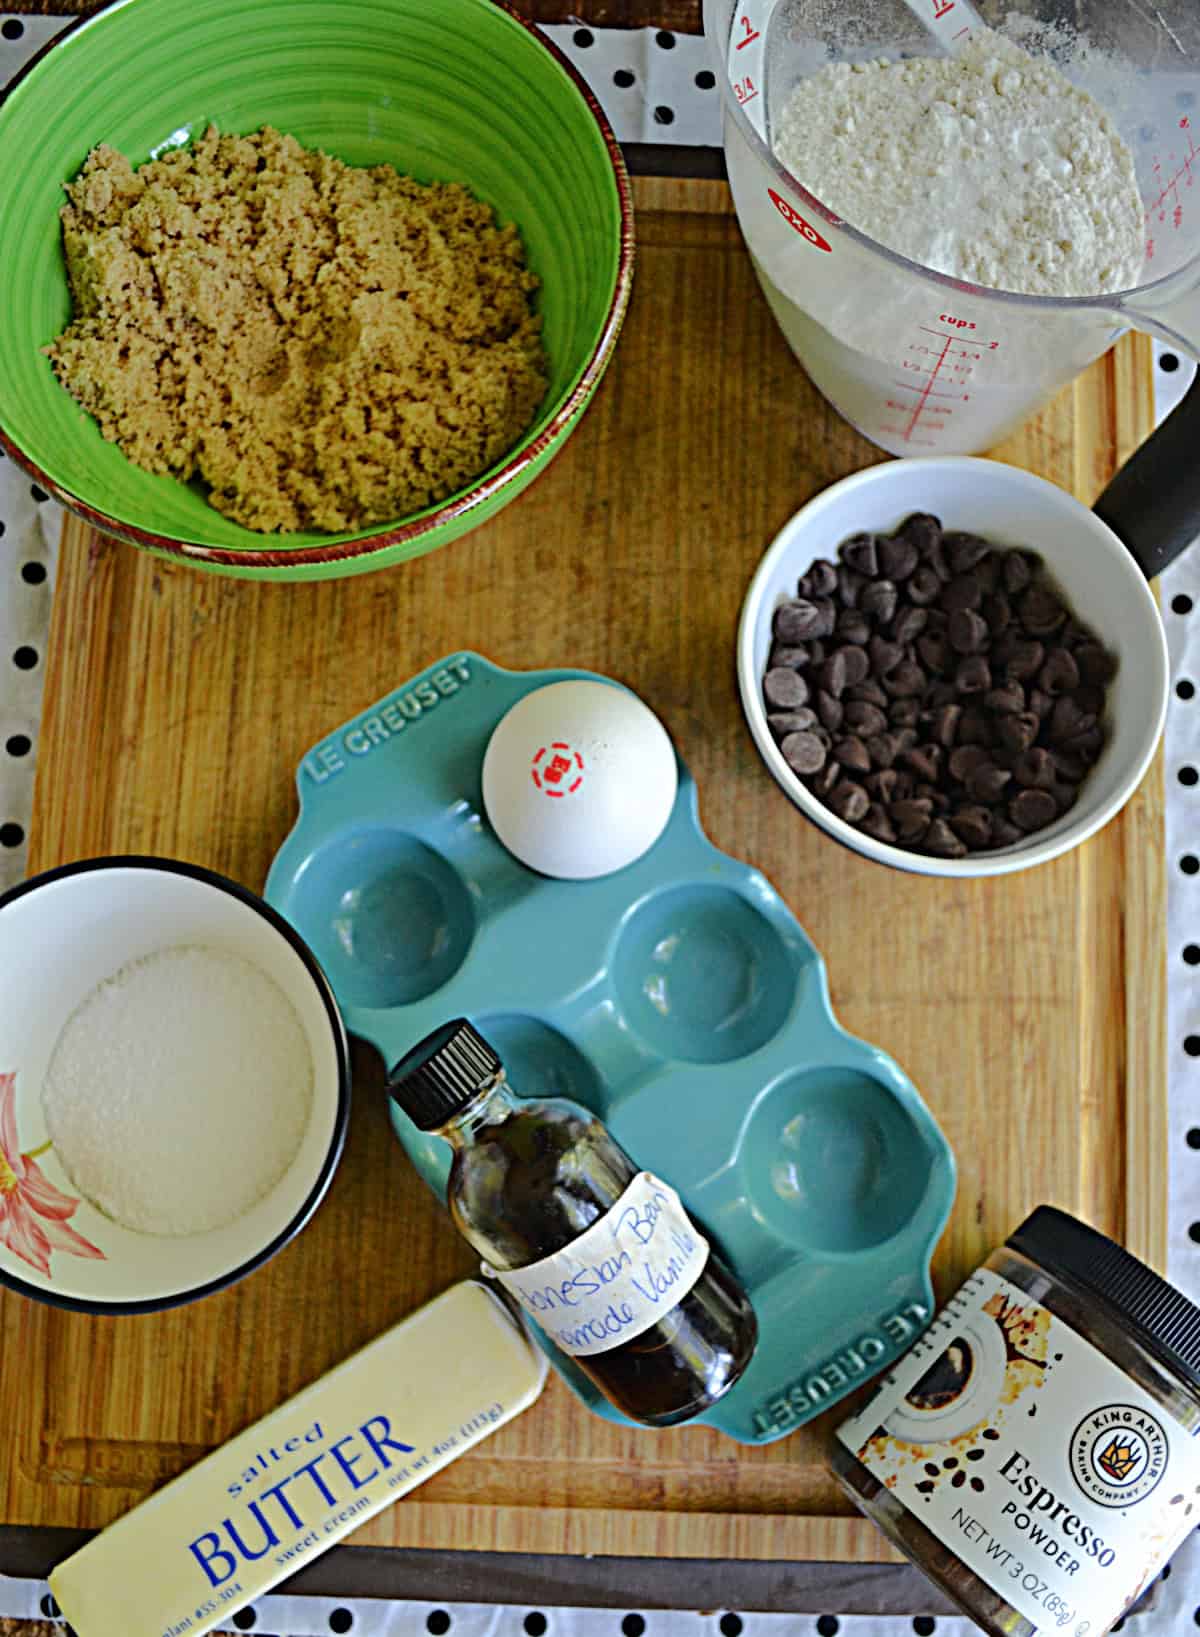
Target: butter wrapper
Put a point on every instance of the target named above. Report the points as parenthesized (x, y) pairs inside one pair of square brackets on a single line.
[(289, 1487)]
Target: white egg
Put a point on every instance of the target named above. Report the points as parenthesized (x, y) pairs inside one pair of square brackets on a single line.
[(579, 779)]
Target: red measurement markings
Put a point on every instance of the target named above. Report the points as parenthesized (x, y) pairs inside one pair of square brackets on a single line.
[(942, 8), (751, 33), (1170, 188), (948, 371), (745, 90)]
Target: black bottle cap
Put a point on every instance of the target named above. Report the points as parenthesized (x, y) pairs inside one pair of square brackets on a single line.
[(437, 1079), (1157, 1315)]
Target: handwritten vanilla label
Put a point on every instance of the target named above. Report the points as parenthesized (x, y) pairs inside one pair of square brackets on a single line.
[(622, 1275)]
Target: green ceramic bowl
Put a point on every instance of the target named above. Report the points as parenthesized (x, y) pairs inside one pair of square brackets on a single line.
[(444, 90)]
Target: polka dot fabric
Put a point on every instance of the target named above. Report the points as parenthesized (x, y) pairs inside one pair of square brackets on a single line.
[(655, 86)]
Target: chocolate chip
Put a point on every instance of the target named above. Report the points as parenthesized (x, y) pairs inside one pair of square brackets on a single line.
[(859, 553), (852, 626), (1039, 703), (997, 611), (852, 753), (882, 785), (966, 759), (1071, 767), (911, 818), (797, 621), (904, 679), (849, 801), (897, 557), (923, 760), (924, 585), (964, 591), (972, 825), (855, 662), (869, 691), (1067, 720), (933, 652), (1024, 661), (973, 674), (884, 656), (877, 824), (924, 530), (823, 783), (822, 578), (785, 688), (1090, 700), (963, 550), (1036, 769), (1096, 665), (1018, 732), (830, 711), (849, 586), (882, 747), (975, 727), (784, 722), (941, 841), (879, 600), (1059, 674), (1016, 572), (792, 658), (833, 674), (803, 752), (1006, 701), (1033, 810), (816, 651), (1041, 612), (945, 724), (968, 631), (986, 781), (864, 719), (904, 713), (1004, 834), (908, 625)]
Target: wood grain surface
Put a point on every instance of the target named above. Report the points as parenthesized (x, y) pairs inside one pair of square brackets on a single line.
[(1029, 1009)]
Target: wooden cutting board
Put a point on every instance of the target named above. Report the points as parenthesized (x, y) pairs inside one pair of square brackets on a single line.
[(1029, 1009)]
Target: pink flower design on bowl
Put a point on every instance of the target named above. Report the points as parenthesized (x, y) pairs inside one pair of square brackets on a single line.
[(33, 1212)]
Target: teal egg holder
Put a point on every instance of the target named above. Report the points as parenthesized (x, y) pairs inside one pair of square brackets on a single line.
[(678, 999)]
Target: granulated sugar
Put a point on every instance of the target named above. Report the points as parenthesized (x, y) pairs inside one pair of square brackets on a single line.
[(179, 1091), (990, 166)]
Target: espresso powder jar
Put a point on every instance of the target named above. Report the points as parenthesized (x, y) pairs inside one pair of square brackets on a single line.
[(1036, 1452)]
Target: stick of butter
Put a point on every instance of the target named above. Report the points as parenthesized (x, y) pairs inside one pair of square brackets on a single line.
[(289, 1487)]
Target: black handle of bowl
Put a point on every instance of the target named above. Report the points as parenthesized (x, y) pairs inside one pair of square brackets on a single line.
[(1153, 503)]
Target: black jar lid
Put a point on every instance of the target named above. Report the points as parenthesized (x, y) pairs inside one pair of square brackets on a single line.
[(1156, 1314)]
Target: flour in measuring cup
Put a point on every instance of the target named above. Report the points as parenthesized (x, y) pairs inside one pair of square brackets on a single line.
[(990, 166)]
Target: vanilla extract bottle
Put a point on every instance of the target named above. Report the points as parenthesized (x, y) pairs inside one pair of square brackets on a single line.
[(603, 1257)]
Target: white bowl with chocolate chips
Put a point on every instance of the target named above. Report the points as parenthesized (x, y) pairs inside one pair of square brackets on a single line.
[(952, 666)]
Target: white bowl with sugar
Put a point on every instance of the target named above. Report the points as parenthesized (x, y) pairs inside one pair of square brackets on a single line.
[(174, 1084)]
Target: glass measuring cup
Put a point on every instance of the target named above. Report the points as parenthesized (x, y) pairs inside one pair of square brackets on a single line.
[(919, 362)]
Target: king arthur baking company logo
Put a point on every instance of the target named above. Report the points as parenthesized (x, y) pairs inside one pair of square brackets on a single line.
[(1118, 1454)]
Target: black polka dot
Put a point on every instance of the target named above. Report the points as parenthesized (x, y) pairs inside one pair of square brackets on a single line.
[(1189, 776), (633, 1625), (437, 1622), (664, 115), (535, 1624), (1118, 1625), (1191, 954), (1189, 863), (12, 28), (1166, 1574), (1191, 1045), (1182, 604), (731, 1625), (49, 1607), (1194, 1233), (665, 39), (33, 573), (1193, 1137), (340, 1620), (1196, 1617), (244, 1619), (38, 493), (827, 1625), (1185, 689), (25, 658), (11, 835), (20, 744), (1169, 361), (624, 78), (583, 38), (924, 1625)]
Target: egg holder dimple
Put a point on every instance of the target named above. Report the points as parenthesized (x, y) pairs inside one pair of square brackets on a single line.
[(677, 998)]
